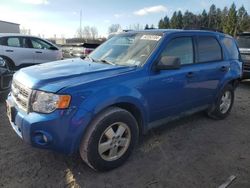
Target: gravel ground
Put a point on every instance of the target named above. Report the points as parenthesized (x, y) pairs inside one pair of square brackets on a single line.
[(192, 152)]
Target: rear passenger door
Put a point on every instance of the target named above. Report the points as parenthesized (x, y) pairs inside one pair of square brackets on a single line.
[(18, 49), (212, 68)]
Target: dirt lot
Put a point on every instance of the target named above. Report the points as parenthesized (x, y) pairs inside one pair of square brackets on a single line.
[(192, 152)]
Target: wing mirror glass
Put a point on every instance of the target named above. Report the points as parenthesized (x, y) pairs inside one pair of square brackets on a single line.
[(169, 62)]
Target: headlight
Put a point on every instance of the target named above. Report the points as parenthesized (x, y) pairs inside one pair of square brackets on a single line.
[(44, 102)]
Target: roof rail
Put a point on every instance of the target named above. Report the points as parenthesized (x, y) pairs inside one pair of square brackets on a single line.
[(203, 28)]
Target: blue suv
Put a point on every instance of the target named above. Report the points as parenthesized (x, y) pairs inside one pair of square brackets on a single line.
[(135, 81)]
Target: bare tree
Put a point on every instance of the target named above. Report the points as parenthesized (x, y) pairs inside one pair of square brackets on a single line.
[(136, 27), (87, 32), (25, 31), (114, 28), (94, 32)]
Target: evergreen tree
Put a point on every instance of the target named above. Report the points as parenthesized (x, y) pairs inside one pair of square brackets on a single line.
[(189, 20), (212, 17), (243, 20), (179, 18), (146, 27), (204, 19), (173, 21), (224, 17), (166, 22), (218, 19), (231, 23)]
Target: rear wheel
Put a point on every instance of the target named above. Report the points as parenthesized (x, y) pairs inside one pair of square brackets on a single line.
[(224, 104), (110, 139)]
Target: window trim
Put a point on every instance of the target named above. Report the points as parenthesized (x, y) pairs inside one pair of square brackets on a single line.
[(197, 53), (176, 37)]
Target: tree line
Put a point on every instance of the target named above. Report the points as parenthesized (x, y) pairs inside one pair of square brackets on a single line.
[(230, 21)]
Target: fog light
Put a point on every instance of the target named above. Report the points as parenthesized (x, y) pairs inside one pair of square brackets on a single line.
[(42, 138), (45, 139)]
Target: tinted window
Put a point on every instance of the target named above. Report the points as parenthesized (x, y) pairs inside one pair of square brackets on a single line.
[(182, 48), (231, 48), (40, 44), (13, 41), (25, 42), (208, 49)]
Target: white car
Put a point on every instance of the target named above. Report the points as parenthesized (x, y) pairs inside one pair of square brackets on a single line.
[(21, 50)]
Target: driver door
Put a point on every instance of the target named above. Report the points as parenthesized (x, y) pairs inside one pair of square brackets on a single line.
[(171, 92)]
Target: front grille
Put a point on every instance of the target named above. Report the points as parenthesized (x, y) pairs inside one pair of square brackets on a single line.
[(246, 65), (21, 95)]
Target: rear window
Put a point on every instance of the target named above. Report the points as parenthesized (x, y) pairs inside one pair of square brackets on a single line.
[(231, 48), (208, 49)]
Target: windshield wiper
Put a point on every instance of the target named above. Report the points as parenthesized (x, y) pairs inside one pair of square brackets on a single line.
[(106, 61), (91, 59)]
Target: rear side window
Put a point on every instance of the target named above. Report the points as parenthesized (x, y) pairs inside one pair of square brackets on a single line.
[(231, 48), (13, 42), (208, 49), (182, 48)]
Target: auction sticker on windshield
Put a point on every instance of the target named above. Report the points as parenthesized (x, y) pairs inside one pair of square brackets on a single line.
[(151, 37)]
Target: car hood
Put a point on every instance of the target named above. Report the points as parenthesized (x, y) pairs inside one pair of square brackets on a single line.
[(57, 75)]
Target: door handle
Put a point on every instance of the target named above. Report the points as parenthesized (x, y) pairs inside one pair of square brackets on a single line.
[(9, 51), (224, 68), (190, 75), (38, 52)]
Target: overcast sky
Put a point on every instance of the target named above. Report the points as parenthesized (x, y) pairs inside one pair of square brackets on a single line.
[(62, 17)]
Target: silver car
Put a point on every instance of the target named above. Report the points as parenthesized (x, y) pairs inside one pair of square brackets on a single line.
[(21, 50)]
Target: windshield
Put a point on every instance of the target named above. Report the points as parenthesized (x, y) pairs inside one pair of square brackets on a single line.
[(130, 49), (243, 41)]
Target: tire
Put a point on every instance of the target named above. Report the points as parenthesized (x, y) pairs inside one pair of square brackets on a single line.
[(220, 109), (9, 64), (104, 131)]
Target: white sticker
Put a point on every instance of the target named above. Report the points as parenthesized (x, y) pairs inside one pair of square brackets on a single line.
[(151, 37)]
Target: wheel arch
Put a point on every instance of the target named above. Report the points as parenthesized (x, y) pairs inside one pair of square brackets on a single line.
[(9, 59)]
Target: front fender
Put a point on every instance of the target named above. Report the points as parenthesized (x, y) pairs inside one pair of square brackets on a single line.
[(106, 97)]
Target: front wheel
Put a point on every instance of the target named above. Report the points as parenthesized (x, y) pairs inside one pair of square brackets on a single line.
[(110, 139), (224, 104)]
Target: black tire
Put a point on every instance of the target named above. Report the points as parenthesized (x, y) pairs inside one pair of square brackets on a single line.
[(9, 64), (215, 111), (90, 143)]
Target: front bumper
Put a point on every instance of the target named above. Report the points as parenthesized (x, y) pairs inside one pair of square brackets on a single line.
[(60, 131)]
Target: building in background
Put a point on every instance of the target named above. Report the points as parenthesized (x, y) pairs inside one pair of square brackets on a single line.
[(9, 27)]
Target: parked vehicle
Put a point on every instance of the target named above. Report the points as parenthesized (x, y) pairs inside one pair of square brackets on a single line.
[(78, 49), (5, 79), (243, 40), (133, 82), (21, 50)]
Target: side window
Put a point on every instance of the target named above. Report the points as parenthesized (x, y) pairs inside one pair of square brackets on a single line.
[(208, 49), (182, 48), (231, 48), (39, 44), (26, 42), (13, 42)]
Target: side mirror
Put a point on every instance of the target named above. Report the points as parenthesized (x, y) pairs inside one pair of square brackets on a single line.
[(2, 62), (168, 62)]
